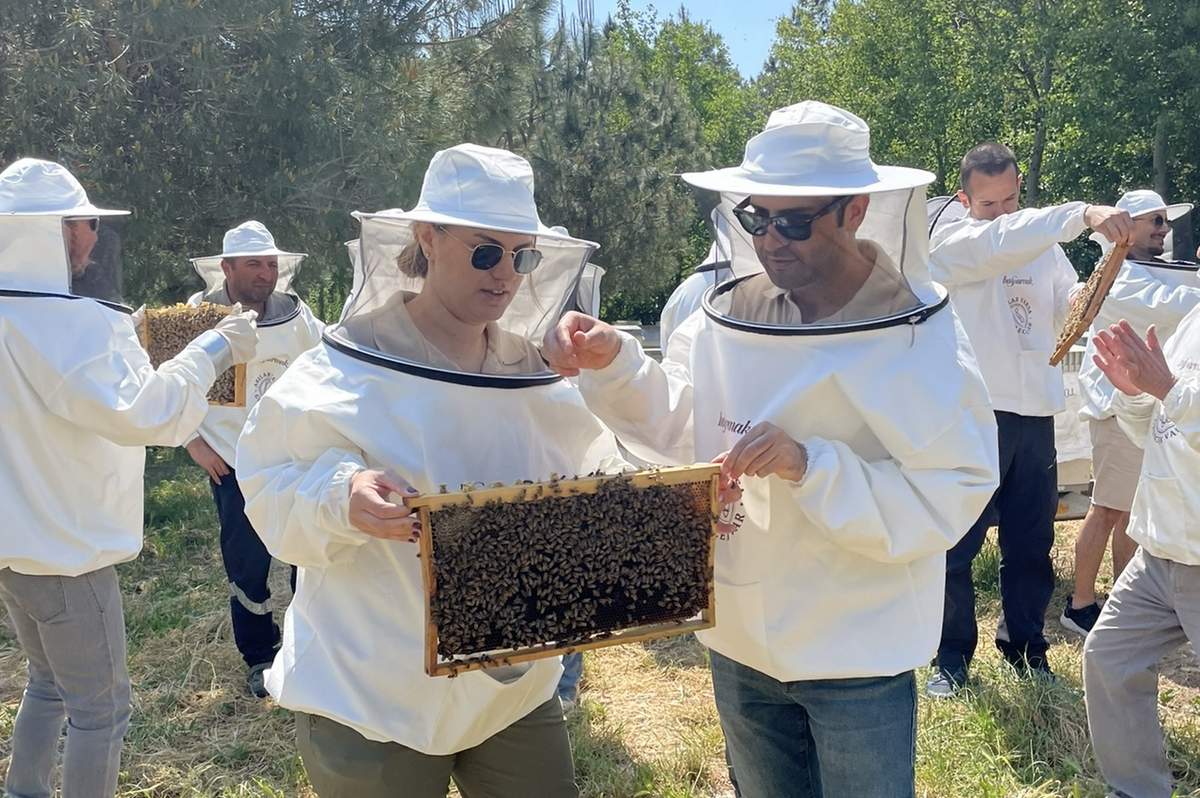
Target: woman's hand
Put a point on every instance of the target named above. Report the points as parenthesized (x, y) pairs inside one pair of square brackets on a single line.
[(373, 514), (765, 450)]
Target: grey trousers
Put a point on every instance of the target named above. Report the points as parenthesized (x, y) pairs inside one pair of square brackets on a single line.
[(72, 630), (1152, 610), (532, 757)]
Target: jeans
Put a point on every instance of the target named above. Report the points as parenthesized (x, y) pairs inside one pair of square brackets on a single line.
[(1023, 507), (820, 737), (568, 685), (72, 630), (248, 565)]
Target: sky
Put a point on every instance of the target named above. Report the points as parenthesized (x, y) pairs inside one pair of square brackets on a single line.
[(748, 26)]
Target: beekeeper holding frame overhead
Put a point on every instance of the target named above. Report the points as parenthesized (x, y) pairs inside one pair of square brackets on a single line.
[(432, 377), (80, 403), (253, 271), (834, 381)]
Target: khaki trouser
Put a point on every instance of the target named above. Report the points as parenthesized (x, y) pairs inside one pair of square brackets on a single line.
[(532, 757), (1153, 609)]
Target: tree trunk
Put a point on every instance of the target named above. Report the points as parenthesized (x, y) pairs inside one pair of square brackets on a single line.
[(1033, 187), (1161, 154)]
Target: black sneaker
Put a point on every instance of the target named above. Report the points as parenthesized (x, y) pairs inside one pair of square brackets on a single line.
[(254, 680), (1080, 621), (945, 682)]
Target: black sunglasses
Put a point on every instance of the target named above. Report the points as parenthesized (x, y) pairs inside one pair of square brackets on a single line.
[(93, 223), (792, 225), (486, 256), (1160, 221)]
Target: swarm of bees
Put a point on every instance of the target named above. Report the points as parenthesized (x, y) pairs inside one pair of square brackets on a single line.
[(565, 568), (166, 331)]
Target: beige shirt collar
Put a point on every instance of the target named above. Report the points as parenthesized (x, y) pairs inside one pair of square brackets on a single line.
[(883, 293), (391, 330)]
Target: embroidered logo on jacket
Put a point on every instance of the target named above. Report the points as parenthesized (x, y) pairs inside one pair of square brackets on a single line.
[(1022, 314), (1164, 428), (272, 367)]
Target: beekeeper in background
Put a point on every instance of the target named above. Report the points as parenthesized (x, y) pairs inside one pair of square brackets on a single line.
[(832, 378), (253, 271), (80, 402), (1154, 607), (431, 378), (1012, 286), (689, 294), (1148, 290)]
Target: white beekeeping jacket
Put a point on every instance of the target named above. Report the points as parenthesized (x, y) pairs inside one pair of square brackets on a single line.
[(1165, 507), (1011, 284), (841, 574), (288, 329), (1145, 292), (80, 401), (354, 402)]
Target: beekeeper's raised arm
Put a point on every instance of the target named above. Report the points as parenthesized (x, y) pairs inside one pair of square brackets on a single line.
[(80, 357), (647, 404), (989, 237)]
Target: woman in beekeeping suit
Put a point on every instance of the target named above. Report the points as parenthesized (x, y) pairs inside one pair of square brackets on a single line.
[(431, 377), (830, 376), (80, 403)]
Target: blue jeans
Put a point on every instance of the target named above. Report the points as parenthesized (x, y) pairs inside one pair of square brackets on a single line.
[(568, 685), (824, 737)]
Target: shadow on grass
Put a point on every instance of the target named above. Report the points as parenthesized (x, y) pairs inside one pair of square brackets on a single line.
[(684, 651)]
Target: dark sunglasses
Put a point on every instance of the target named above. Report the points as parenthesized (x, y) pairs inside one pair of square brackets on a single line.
[(486, 256), (1160, 220), (93, 223), (792, 225)]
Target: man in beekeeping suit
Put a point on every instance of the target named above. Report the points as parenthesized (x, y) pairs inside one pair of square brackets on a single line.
[(830, 376), (1153, 608), (252, 271), (80, 403), (1012, 287), (1148, 290)]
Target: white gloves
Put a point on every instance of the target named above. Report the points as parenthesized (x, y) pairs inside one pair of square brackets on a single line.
[(234, 340), (239, 331)]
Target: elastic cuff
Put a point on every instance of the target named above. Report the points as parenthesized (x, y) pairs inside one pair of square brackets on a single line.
[(818, 452), (217, 348), (1173, 403)]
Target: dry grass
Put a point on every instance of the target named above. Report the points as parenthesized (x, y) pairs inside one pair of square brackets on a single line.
[(646, 725)]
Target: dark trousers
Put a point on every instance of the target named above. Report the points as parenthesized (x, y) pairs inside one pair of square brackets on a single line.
[(247, 564), (1023, 507)]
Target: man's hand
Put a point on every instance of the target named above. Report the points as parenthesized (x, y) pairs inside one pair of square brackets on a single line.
[(580, 342), (1114, 224), (203, 455), (764, 450), (372, 513), (1132, 365)]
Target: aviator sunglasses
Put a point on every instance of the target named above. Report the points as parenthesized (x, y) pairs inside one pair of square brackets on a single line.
[(792, 225), (486, 256)]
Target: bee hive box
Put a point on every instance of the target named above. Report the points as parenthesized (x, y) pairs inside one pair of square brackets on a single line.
[(1087, 305), (166, 331), (524, 572)]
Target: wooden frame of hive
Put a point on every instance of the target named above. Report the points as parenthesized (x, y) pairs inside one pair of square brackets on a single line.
[(428, 504), (239, 371), (1092, 296)]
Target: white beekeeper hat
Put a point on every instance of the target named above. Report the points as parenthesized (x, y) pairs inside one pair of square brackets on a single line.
[(810, 149), (483, 187), (1143, 202), (249, 239), (32, 187)]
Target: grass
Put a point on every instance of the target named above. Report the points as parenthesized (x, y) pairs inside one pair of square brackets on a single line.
[(646, 724)]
